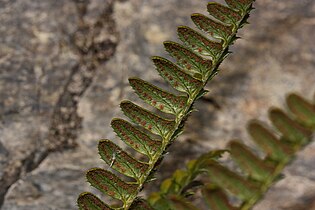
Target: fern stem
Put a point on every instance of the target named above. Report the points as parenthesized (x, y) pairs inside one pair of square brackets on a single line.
[(187, 109)]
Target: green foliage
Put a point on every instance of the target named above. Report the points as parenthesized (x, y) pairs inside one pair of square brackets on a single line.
[(197, 62), (216, 199), (135, 138), (258, 173), (110, 184), (90, 201)]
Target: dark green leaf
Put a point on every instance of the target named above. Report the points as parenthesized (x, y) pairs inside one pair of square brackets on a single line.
[(233, 183), (175, 183), (303, 110), (193, 184), (176, 76), (249, 162), (223, 13), (135, 138), (275, 149), (160, 202), (240, 5), (199, 43), (290, 129), (180, 203), (119, 160), (160, 99), (211, 27), (110, 184), (198, 165), (147, 119), (189, 60), (180, 176), (167, 186), (88, 201), (140, 204), (216, 199)]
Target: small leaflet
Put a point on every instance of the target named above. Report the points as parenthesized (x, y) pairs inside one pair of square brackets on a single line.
[(290, 129), (176, 77), (303, 110), (199, 43), (189, 60), (110, 184), (160, 99), (180, 203), (213, 28), (119, 160), (216, 199), (88, 201), (135, 138), (228, 180), (140, 204), (223, 13), (239, 5), (147, 119), (249, 162), (268, 142)]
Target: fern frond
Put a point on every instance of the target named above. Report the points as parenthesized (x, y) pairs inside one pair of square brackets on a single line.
[(258, 174), (198, 59), (90, 201)]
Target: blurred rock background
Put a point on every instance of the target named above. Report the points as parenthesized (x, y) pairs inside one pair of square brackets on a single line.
[(64, 67)]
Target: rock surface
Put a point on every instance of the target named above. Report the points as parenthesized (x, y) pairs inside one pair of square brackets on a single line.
[(274, 56)]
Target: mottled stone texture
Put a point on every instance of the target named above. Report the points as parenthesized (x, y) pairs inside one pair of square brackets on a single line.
[(274, 56)]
